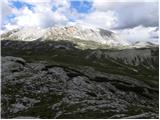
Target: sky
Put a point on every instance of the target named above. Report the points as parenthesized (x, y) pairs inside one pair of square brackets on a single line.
[(134, 20)]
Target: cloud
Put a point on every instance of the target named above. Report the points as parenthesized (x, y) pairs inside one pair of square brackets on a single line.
[(9, 26), (104, 14), (131, 14), (41, 15), (134, 19), (44, 19), (135, 14), (100, 19), (140, 33), (5, 10)]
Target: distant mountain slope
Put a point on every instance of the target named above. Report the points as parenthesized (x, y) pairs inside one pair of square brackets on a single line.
[(142, 44), (133, 60), (75, 34), (24, 34), (85, 37)]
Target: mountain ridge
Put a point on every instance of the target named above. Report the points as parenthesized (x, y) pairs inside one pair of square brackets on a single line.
[(79, 34), (71, 33)]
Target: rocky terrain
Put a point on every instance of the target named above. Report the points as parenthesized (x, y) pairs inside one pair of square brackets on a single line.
[(50, 78), (79, 34), (53, 91)]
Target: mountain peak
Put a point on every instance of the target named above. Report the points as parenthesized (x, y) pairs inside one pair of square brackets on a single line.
[(76, 33)]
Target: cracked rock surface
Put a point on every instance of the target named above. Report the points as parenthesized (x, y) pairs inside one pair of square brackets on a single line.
[(39, 90)]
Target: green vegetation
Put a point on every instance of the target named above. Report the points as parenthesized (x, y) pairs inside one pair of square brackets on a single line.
[(74, 57), (77, 58)]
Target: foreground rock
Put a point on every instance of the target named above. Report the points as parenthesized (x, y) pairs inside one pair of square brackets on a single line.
[(39, 90)]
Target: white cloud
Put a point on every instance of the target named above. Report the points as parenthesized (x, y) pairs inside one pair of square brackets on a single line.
[(10, 26), (5, 10), (137, 19), (27, 18), (106, 14), (140, 33), (100, 19), (41, 15), (130, 14)]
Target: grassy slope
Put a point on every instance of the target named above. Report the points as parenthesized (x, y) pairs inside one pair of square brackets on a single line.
[(77, 58)]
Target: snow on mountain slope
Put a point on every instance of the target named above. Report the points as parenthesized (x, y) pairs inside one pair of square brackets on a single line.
[(71, 33)]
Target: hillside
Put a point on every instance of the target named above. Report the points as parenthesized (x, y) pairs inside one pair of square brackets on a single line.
[(54, 74)]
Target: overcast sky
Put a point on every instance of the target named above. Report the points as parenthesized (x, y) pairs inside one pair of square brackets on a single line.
[(134, 19)]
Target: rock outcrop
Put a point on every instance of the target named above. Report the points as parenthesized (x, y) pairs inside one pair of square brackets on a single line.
[(39, 90), (78, 34)]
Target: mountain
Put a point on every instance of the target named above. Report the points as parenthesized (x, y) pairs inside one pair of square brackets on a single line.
[(85, 37), (77, 72), (78, 34), (24, 34), (143, 44)]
